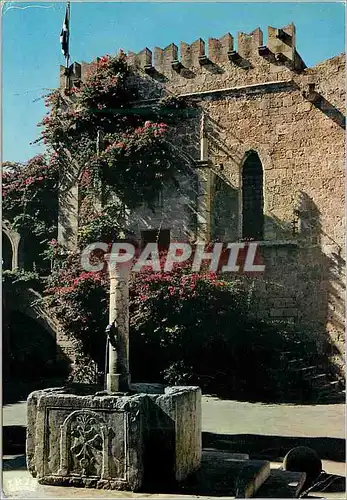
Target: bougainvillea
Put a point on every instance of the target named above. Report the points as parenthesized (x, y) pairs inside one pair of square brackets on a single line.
[(94, 135), (79, 299), (185, 327), (29, 193), (189, 328), (117, 151)]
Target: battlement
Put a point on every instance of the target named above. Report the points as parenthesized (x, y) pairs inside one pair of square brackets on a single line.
[(189, 59), (280, 49)]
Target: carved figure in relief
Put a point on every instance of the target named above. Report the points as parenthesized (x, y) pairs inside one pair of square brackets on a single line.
[(87, 445)]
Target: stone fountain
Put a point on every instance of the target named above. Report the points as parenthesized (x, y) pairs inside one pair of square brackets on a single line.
[(127, 437)]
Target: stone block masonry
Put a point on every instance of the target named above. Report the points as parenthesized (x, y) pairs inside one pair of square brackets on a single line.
[(120, 441), (85, 441), (263, 99), (266, 106), (176, 417)]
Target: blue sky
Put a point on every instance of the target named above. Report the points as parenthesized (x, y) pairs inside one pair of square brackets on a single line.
[(31, 52)]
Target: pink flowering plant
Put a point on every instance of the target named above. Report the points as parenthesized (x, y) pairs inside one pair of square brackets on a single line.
[(29, 195), (115, 149), (196, 328), (104, 225), (162, 306), (185, 327), (78, 300), (94, 132), (173, 317)]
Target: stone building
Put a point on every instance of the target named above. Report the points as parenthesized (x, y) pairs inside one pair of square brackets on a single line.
[(265, 161)]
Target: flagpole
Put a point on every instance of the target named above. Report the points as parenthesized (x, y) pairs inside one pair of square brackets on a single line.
[(68, 52), (67, 58)]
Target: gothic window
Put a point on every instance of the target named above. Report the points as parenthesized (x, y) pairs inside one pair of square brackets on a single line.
[(252, 198)]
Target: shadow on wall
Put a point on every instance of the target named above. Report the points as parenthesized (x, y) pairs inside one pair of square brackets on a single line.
[(330, 111), (31, 349), (303, 281), (300, 282), (30, 352), (174, 210), (332, 264)]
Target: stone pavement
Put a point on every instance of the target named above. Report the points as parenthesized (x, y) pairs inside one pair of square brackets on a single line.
[(263, 431)]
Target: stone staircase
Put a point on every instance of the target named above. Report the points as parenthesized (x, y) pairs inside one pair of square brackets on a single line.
[(226, 474), (300, 380), (316, 383)]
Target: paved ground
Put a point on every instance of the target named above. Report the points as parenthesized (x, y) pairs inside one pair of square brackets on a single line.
[(234, 417), (261, 430)]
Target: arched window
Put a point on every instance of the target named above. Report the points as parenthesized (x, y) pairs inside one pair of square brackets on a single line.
[(252, 198)]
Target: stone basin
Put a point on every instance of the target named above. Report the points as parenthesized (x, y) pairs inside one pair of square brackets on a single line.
[(82, 436)]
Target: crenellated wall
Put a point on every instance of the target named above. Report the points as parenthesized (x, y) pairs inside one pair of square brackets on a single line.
[(194, 67), (280, 48)]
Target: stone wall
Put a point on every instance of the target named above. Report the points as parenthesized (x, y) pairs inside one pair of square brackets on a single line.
[(266, 103), (262, 98), (174, 212)]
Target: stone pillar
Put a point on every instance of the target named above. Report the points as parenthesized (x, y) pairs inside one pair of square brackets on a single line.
[(118, 376), (203, 140), (204, 188), (15, 240), (204, 205), (68, 212)]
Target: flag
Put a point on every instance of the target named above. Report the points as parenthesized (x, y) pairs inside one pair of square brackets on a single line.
[(65, 32)]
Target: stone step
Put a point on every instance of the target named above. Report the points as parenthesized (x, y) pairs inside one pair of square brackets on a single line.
[(306, 369), (328, 395), (251, 477), (341, 381), (231, 456), (225, 474), (330, 392), (282, 484), (296, 360), (317, 380), (333, 386)]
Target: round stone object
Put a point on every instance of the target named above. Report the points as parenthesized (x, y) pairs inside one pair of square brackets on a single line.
[(303, 459)]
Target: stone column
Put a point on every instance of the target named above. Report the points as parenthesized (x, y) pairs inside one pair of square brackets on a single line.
[(16, 257), (203, 139), (68, 211), (204, 188), (118, 376), (68, 194)]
